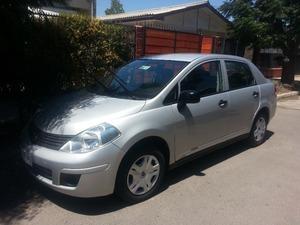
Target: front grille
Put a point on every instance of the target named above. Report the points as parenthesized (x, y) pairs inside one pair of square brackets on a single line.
[(42, 171), (51, 141)]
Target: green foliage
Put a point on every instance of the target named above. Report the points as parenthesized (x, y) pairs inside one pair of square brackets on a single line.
[(19, 31), (246, 25), (95, 47), (54, 54), (265, 24), (283, 18), (115, 8)]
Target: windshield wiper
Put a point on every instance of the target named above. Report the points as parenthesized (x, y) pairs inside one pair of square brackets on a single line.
[(121, 83), (101, 83)]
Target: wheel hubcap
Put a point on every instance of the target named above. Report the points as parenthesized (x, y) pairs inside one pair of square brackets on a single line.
[(143, 174), (260, 129)]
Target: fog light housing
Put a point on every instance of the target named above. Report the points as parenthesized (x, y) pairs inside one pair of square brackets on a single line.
[(69, 180)]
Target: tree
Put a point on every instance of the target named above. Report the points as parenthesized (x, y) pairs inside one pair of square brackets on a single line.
[(45, 55), (16, 22), (283, 17), (266, 24), (245, 27), (115, 8)]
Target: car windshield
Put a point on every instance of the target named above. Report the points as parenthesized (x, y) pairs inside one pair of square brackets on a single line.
[(140, 79)]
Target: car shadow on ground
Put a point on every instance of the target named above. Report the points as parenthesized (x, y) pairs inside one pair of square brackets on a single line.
[(18, 189), (98, 206)]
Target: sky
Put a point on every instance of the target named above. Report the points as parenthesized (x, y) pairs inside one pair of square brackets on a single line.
[(131, 5)]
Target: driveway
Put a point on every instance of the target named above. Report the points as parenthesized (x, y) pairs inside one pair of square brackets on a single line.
[(235, 185)]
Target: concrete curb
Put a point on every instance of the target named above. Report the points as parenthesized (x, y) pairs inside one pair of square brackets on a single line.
[(288, 94)]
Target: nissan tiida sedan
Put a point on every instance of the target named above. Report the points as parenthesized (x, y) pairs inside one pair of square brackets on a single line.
[(122, 134)]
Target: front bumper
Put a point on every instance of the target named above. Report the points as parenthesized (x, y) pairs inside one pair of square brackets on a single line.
[(84, 175)]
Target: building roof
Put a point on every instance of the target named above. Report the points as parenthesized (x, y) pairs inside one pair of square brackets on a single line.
[(152, 13), (57, 8)]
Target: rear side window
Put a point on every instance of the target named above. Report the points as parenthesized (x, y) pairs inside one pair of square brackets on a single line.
[(239, 75)]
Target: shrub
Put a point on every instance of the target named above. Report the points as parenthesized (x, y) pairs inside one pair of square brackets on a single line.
[(95, 47), (62, 53)]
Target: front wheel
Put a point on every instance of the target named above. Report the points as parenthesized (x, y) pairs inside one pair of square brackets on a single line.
[(258, 131), (140, 175)]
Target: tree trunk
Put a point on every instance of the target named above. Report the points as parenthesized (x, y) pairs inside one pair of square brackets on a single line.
[(255, 58), (289, 65), (288, 71), (289, 62)]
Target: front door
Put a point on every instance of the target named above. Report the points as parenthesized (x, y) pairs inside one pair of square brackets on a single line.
[(202, 124)]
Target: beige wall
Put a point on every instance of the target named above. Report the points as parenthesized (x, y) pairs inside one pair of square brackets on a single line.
[(201, 21), (197, 20)]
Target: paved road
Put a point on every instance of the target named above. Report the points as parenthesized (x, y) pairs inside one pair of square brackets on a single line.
[(236, 185)]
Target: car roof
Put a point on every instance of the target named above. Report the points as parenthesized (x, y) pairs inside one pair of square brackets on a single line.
[(189, 57)]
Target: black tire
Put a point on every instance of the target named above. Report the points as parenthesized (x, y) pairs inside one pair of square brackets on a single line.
[(121, 188), (253, 140)]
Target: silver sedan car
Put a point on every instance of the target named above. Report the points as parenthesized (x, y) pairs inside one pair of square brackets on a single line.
[(122, 134)]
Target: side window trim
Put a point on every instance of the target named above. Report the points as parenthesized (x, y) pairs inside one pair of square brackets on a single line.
[(226, 74), (175, 101), (199, 64)]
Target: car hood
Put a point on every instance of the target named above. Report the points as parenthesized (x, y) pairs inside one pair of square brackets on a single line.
[(76, 112)]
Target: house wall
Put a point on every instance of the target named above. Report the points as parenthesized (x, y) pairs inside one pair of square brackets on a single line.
[(73, 6), (201, 20), (270, 62), (194, 30)]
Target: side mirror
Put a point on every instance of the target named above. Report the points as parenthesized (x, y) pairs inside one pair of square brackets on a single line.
[(189, 96)]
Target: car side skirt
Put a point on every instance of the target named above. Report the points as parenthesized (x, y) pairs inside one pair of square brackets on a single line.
[(207, 151)]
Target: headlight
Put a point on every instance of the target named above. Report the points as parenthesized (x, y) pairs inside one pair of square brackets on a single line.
[(91, 139)]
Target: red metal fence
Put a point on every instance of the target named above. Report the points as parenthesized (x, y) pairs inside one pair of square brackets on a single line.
[(151, 41)]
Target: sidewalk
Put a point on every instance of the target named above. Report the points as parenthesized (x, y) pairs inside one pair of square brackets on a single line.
[(285, 92), (290, 103)]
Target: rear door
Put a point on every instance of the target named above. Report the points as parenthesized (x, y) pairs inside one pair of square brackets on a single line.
[(243, 94)]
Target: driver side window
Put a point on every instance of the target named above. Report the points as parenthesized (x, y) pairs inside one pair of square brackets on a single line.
[(206, 79)]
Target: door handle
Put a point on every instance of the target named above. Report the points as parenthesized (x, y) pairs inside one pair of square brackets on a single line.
[(223, 103), (255, 94)]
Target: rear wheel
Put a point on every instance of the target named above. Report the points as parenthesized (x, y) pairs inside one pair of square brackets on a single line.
[(258, 131), (140, 174)]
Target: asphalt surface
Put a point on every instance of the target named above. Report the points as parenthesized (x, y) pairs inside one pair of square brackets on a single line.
[(235, 185)]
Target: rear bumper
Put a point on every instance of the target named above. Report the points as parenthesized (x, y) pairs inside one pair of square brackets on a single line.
[(81, 175)]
